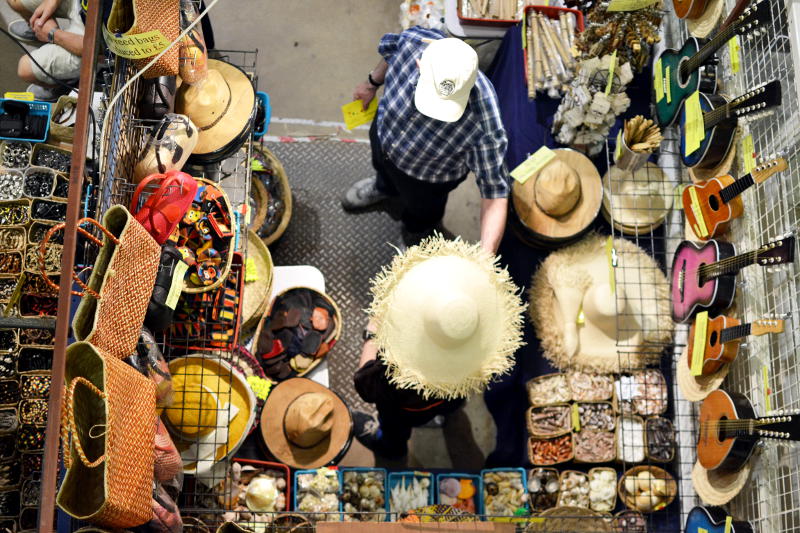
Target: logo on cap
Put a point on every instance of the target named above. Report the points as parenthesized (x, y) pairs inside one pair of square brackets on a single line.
[(446, 87)]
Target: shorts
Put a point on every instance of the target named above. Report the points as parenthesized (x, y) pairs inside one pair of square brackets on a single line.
[(62, 64), (64, 10)]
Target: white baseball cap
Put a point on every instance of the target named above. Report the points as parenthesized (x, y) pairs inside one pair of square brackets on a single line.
[(448, 69)]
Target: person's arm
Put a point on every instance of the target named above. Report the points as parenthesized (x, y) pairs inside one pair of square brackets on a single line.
[(369, 352), (71, 42), (365, 91), (43, 13), (493, 222)]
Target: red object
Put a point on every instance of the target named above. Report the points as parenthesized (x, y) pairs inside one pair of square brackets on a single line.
[(272, 466), (168, 461), (165, 208), (277, 349)]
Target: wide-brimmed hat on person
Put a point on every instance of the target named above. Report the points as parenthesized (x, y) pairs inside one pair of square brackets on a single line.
[(593, 317), (447, 72), (562, 198), (304, 424), (448, 318), (222, 107)]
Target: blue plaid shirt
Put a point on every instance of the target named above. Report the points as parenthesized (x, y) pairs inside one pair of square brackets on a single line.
[(429, 149)]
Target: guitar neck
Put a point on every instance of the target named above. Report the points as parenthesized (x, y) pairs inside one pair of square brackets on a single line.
[(730, 265), (735, 332), (707, 50), (736, 188)]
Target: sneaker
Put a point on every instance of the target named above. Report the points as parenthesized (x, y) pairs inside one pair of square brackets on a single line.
[(361, 194), (21, 31), (46, 94), (367, 431), (435, 422)]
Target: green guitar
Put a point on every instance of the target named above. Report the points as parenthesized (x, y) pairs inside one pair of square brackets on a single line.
[(676, 72)]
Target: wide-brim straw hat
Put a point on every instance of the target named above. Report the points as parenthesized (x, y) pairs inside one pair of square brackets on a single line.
[(696, 388), (221, 106), (569, 189), (703, 25), (257, 281), (724, 167), (638, 200), (582, 325), (448, 318), (718, 488), (226, 386), (276, 438)]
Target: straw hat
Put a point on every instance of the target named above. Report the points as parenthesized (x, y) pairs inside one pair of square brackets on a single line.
[(696, 388), (583, 325), (304, 424), (703, 25), (221, 106), (212, 412), (169, 145), (717, 488), (698, 174), (258, 281), (448, 318), (561, 199), (636, 201)]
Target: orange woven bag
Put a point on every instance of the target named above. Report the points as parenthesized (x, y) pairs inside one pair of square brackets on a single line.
[(132, 17), (108, 437)]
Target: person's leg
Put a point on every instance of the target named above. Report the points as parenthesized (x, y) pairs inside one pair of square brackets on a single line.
[(26, 73), (23, 9), (55, 60), (423, 202), (370, 191)]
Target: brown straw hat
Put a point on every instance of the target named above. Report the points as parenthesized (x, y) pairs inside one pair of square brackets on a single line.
[(304, 424), (718, 488), (220, 106), (562, 198), (696, 388), (703, 25)]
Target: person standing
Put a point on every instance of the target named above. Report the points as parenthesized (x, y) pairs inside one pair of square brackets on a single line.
[(438, 120)]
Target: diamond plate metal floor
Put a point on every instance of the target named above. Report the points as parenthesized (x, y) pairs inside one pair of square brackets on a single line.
[(348, 248)]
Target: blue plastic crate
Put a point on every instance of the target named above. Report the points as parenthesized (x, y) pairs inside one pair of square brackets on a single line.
[(523, 474), (385, 483), (476, 480), (314, 471), (264, 102), (37, 109), (396, 478)]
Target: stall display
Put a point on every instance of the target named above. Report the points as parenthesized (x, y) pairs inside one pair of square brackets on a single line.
[(317, 491), (364, 494), (462, 492), (410, 490), (504, 491)]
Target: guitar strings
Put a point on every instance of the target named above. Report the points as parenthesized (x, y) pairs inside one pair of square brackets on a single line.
[(745, 259)]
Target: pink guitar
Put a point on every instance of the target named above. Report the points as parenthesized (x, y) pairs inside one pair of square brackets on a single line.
[(704, 276)]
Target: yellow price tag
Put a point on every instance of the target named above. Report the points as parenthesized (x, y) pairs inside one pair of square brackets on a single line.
[(28, 97), (611, 254), (658, 80), (176, 286), (581, 318), (702, 530), (733, 50), (257, 166), (767, 390), (138, 46), (250, 270), (576, 418), (699, 343), (533, 164), (354, 114), (667, 90), (611, 68), (618, 149), (694, 128), (728, 524), (629, 5), (748, 153), (701, 230), (524, 32)]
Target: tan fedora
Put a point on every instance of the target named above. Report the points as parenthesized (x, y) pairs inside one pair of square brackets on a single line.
[(220, 106), (562, 198), (304, 424), (696, 388)]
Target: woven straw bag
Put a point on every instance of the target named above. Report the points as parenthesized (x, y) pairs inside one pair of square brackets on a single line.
[(115, 299), (132, 17), (108, 437)]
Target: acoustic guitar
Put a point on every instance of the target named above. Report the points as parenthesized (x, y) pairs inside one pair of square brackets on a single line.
[(711, 205), (704, 275), (712, 520), (723, 336), (719, 120), (679, 70), (729, 430)]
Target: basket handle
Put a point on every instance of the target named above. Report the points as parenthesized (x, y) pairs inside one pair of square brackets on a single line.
[(69, 428), (46, 240)]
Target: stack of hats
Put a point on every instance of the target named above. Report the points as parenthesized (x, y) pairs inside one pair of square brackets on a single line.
[(636, 202)]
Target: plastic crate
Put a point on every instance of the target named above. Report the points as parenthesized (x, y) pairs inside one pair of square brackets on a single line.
[(264, 102), (42, 109), (314, 471), (273, 466), (473, 21), (476, 480), (523, 474), (344, 470), (396, 478)]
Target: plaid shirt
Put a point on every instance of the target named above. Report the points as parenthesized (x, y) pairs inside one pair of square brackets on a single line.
[(429, 149)]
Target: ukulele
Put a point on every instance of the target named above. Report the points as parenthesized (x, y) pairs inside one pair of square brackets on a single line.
[(723, 336), (712, 520), (719, 121), (729, 430), (704, 274), (678, 70), (711, 205)]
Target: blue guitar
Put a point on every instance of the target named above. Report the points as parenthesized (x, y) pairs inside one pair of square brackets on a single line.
[(712, 520)]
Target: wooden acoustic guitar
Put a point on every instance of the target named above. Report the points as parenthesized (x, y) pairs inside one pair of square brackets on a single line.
[(712, 520), (704, 275), (723, 336), (729, 430), (711, 205), (679, 70), (719, 120)]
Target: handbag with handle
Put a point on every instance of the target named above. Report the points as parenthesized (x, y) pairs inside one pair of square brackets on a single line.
[(115, 299), (108, 437), (132, 17)]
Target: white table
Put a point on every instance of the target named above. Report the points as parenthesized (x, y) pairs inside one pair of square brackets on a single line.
[(466, 31)]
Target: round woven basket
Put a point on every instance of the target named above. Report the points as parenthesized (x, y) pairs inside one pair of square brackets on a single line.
[(656, 472), (572, 519), (256, 292), (278, 173), (259, 198)]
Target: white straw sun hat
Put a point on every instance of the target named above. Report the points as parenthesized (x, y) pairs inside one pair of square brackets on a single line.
[(447, 72), (448, 318)]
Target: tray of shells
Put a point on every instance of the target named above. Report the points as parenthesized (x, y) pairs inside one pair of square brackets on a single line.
[(504, 491), (602, 489), (659, 439), (647, 488), (630, 439), (550, 451), (364, 494), (255, 490), (543, 488), (597, 415), (460, 491), (629, 521), (549, 420), (588, 387), (317, 491), (643, 392), (574, 489), (594, 446), (548, 389), (410, 490)]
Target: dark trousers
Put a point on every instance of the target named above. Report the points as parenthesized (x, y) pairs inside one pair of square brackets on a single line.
[(396, 424), (423, 202)]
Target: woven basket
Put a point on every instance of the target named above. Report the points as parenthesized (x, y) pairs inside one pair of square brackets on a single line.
[(255, 298), (601, 469), (647, 446), (40, 170), (531, 492), (260, 198), (656, 472), (532, 430), (286, 193), (567, 394), (611, 457), (570, 457), (561, 479), (598, 393), (613, 413), (12, 238), (621, 444), (9, 420), (570, 519)]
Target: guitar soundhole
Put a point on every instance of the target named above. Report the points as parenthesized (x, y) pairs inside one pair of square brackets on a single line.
[(713, 338), (720, 432), (700, 280), (713, 202)]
